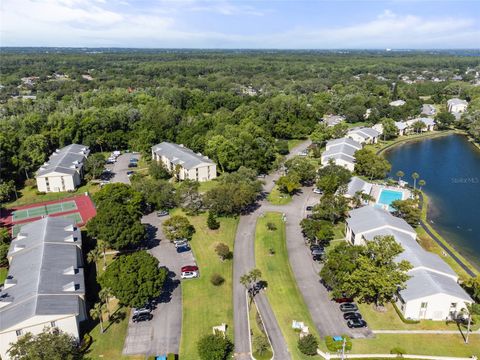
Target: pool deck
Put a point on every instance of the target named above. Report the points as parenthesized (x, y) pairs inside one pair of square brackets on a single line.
[(377, 190)]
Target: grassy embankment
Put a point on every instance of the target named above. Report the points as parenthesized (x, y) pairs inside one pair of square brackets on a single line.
[(206, 305), (282, 292), (258, 332)]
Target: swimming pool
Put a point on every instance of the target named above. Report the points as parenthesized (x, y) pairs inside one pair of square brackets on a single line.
[(388, 196)]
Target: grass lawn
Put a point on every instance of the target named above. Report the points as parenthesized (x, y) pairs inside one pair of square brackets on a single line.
[(339, 231), (205, 305), (28, 195), (416, 344), (207, 185), (257, 330), (283, 294), (3, 274), (389, 320), (293, 143), (277, 198)]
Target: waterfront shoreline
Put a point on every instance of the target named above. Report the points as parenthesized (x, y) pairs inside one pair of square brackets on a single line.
[(438, 238)]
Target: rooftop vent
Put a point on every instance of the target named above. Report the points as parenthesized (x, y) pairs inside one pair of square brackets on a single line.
[(71, 270), (71, 286)]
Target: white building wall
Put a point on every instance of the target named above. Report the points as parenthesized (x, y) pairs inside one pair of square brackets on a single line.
[(346, 164), (201, 173), (35, 325), (459, 108), (55, 184), (435, 307)]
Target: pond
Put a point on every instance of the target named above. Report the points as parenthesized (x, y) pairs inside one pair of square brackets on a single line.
[(450, 165)]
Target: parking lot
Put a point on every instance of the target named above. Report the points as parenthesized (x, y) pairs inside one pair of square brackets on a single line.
[(120, 168), (162, 334)]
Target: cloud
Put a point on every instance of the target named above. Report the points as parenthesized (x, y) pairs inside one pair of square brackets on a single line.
[(165, 23)]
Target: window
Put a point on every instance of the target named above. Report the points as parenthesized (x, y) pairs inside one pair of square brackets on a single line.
[(453, 305), (53, 324), (423, 305), (18, 332)]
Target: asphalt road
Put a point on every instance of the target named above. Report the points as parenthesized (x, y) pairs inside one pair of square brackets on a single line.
[(120, 167)]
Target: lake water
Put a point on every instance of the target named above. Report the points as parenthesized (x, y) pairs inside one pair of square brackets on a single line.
[(450, 165)]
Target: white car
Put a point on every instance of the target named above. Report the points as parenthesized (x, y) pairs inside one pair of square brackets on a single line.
[(317, 191), (189, 274), (180, 243)]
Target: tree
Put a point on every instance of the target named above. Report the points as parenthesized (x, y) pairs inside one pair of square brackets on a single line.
[(360, 198), (159, 193), (189, 198), (158, 171), (389, 128), (250, 279), (444, 119), (118, 225), (331, 177), (97, 314), (50, 344), (371, 165), (122, 194), (400, 174), (415, 176), (214, 347), (418, 126), (308, 345), (177, 228), (302, 167), (223, 251), (94, 166), (93, 256), (422, 183), (408, 210), (212, 222), (289, 184), (261, 345), (332, 208), (377, 275), (134, 279), (7, 190), (321, 134), (104, 296)]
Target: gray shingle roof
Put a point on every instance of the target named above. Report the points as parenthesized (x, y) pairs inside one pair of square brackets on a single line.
[(340, 149), (456, 101), (357, 184), (178, 154), (365, 132), (344, 141), (428, 109), (332, 120), (45, 272), (66, 160), (426, 283), (400, 125), (368, 218), (426, 121)]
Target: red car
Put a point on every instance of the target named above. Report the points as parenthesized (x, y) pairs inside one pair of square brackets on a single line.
[(189, 268), (343, 299)]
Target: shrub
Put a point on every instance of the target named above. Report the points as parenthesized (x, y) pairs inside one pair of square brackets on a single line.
[(223, 251), (86, 342), (30, 182), (217, 279), (212, 222), (271, 251), (271, 226), (308, 345), (400, 315), (261, 345), (171, 356), (334, 346), (214, 347), (398, 351)]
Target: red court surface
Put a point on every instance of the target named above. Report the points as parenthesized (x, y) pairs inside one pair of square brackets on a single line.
[(85, 207)]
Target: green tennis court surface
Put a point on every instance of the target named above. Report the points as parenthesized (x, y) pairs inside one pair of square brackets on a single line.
[(76, 217), (44, 210)]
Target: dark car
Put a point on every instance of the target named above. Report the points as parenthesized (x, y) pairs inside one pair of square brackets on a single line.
[(352, 315), (183, 248), (318, 257), (356, 323), (318, 251), (143, 316), (316, 247), (347, 307), (309, 208), (130, 173), (132, 164)]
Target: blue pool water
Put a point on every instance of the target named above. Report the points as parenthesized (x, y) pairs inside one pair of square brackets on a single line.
[(389, 196)]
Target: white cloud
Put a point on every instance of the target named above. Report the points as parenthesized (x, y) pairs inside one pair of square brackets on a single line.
[(164, 24)]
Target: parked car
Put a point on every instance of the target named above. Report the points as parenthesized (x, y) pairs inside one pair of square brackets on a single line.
[(133, 160), (317, 257), (348, 307), (318, 252), (309, 208), (130, 173), (303, 153), (317, 191), (356, 323), (179, 243), (132, 165), (189, 274), (182, 249), (352, 315), (189, 268), (144, 316), (109, 161), (144, 310), (162, 213), (316, 247), (344, 299)]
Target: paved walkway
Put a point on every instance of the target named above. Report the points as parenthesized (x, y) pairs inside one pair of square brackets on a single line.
[(422, 332)]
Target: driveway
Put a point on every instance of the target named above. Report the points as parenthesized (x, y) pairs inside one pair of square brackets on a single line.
[(120, 167)]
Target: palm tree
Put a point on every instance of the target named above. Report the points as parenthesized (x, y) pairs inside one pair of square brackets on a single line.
[(415, 176), (421, 183), (96, 313), (400, 174), (94, 256), (467, 312), (104, 296), (103, 246)]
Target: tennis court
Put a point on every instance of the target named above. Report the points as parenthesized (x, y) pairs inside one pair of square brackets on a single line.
[(76, 217), (43, 210)]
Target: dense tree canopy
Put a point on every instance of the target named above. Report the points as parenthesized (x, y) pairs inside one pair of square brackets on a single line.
[(134, 279)]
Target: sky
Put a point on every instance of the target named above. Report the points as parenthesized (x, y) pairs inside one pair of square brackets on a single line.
[(253, 24)]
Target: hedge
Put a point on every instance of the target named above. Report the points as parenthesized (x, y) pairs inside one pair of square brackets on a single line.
[(400, 315)]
